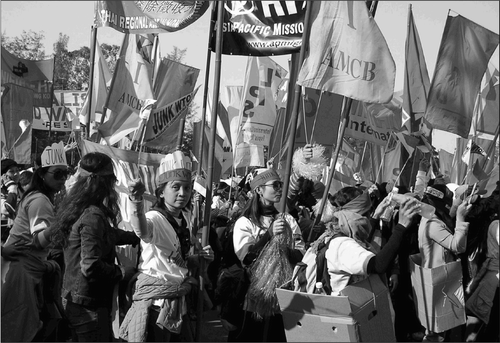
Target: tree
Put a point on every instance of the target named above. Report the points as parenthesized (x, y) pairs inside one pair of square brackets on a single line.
[(111, 54), (62, 64), (29, 46), (177, 54)]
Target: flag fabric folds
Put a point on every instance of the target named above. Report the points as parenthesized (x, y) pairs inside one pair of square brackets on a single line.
[(472, 148), (348, 54), (416, 79), (130, 88), (486, 109), (102, 80), (462, 59)]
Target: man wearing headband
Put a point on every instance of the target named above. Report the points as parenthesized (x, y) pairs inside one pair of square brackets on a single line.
[(164, 277)]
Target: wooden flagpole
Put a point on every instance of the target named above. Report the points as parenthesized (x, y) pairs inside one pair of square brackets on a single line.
[(295, 110), (93, 44), (205, 92), (210, 162)]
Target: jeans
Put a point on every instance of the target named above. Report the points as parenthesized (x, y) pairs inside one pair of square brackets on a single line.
[(88, 323)]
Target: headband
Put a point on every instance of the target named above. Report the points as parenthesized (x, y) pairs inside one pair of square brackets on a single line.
[(264, 177), (434, 192), (107, 170), (180, 174)]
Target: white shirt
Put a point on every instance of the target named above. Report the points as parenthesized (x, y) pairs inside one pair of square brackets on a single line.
[(346, 259)]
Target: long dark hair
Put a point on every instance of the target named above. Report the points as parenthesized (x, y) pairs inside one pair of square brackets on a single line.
[(97, 190)]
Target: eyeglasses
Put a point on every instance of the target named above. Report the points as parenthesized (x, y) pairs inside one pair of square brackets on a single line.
[(277, 185), (60, 174)]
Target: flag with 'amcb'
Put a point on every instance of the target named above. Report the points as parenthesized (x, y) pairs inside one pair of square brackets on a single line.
[(463, 57), (348, 55)]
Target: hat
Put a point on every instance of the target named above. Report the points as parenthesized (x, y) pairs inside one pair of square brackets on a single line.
[(174, 167), (440, 195), (7, 164), (54, 155), (261, 176)]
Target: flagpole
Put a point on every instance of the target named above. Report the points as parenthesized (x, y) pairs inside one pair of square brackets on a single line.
[(295, 110), (210, 162), (52, 99), (205, 92), (383, 157), (93, 45), (362, 157)]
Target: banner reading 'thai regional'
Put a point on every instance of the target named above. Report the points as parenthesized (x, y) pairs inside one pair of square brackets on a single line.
[(148, 16), (261, 28)]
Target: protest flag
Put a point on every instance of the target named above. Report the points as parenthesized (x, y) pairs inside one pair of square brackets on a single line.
[(416, 78), (131, 86), (486, 108), (348, 54), (175, 94), (472, 148), (198, 135), (478, 172), (94, 102), (463, 56)]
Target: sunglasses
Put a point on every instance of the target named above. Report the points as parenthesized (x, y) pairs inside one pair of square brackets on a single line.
[(277, 185), (60, 174)]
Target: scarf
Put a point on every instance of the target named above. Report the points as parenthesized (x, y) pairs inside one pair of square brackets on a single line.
[(182, 231), (351, 223)]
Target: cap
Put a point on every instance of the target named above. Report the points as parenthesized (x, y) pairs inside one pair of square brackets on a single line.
[(174, 167), (54, 155), (263, 175), (7, 164)]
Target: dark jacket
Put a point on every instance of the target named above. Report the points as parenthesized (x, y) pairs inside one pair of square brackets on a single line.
[(91, 272)]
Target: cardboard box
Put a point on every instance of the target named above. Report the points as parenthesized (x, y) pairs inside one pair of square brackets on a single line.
[(361, 314), (438, 294)]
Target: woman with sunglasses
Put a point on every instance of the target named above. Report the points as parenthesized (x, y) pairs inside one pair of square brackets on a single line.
[(86, 228), (260, 221), (31, 287)]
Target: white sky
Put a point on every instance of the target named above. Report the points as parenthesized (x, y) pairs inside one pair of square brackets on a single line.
[(74, 18)]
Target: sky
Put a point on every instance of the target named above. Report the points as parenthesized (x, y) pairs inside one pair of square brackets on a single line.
[(75, 18)]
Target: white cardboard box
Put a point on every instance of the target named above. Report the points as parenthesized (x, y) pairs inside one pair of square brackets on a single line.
[(361, 314)]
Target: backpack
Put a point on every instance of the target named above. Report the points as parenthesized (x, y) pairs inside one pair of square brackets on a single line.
[(312, 269)]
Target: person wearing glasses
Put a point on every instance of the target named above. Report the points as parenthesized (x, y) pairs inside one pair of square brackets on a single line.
[(27, 295), (258, 223)]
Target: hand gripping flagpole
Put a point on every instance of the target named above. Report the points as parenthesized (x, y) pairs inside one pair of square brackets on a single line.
[(210, 161)]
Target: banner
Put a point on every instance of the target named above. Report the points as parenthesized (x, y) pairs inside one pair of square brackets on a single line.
[(130, 88), (462, 59), (416, 79), (261, 28), (22, 145), (198, 135), (348, 55), (36, 75), (446, 164), (231, 99), (148, 16), (174, 90), (17, 106), (248, 155)]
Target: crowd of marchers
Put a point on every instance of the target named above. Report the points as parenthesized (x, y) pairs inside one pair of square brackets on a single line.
[(62, 279)]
